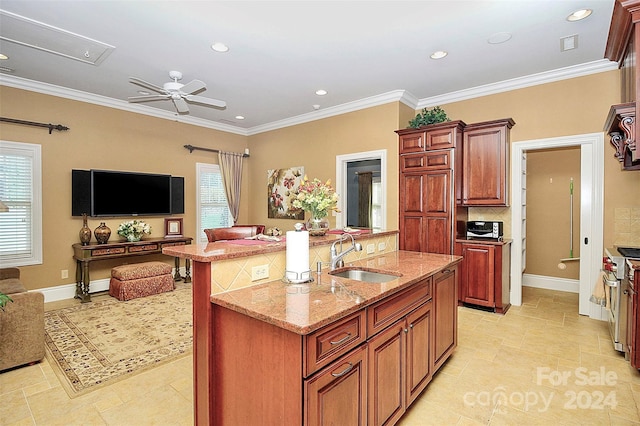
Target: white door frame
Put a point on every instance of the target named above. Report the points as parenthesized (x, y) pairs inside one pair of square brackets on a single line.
[(341, 182), (591, 213)]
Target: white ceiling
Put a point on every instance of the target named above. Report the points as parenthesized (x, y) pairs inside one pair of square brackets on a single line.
[(281, 52)]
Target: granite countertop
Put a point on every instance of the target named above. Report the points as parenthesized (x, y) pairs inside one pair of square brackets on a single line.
[(232, 249), (304, 308)]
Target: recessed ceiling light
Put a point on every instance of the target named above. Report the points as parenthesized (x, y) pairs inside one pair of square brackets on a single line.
[(220, 47), (439, 54), (321, 92), (498, 38), (240, 117), (3, 56), (579, 14)]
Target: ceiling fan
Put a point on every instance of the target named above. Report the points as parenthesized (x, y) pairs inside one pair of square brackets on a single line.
[(179, 93)]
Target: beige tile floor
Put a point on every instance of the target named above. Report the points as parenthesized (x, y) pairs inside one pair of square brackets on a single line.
[(541, 363)]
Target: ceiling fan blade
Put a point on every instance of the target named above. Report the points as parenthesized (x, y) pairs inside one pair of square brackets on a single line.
[(206, 101), (147, 85), (180, 104), (146, 98), (193, 86)]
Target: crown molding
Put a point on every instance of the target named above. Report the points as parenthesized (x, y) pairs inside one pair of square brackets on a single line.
[(394, 96), (520, 83), (78, 95)]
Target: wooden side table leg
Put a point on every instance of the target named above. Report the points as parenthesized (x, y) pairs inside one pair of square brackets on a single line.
[(84, 295), (187, 267), (176, 275)]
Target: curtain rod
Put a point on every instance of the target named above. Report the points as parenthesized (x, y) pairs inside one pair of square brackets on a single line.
[(372, 172), (192, 148), (50, 126)]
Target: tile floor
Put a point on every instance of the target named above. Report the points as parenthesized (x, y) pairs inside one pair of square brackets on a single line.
[(541, 363)]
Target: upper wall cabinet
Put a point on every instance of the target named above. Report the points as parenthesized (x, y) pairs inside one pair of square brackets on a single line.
[(435, 136), (485, 161), (623, 46)]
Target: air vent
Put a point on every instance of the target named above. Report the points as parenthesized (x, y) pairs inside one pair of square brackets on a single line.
[(569, 43), (27, 32)]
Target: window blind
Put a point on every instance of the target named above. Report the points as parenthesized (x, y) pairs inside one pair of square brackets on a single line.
[(20, 239), (213, 208)]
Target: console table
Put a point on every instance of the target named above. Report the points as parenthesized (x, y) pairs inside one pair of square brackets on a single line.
[(86, 254)]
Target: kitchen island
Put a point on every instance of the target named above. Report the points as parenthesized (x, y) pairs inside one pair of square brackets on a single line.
[(332, 349)]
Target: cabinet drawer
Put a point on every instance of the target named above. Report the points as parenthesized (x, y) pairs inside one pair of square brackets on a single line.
[(434, 160), (384, 313), (332, 341), (441, 138)]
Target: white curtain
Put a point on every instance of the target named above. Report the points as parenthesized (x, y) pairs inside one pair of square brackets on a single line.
[(231, 172)]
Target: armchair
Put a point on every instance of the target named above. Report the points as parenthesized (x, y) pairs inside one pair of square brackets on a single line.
[(235, 232), (21, 322)]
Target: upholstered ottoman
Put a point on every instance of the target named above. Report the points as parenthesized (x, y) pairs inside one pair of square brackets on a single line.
[(140, 279)]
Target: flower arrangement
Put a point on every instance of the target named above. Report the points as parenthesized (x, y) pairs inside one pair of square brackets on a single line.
[(316, 197), (134, 230)]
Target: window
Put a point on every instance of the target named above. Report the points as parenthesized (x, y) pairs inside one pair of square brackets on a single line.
[(213, 210), (21, 191)]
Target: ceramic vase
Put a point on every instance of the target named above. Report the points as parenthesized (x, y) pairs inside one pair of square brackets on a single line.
[(85, 231), (102, 233), (317, 226), (133, 238)]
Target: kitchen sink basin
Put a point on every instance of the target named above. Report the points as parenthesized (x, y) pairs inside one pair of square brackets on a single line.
[(364, 275)]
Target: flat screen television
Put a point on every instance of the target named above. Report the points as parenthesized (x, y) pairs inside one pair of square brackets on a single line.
[(115, 193)]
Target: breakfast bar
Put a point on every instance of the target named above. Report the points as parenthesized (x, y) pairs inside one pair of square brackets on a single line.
[(271, 352)]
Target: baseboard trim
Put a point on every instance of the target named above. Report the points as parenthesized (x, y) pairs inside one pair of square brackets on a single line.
[(551, 283), (68, 291)]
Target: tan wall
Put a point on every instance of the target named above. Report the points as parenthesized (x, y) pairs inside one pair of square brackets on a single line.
[(104, 138), (563, 108), (549, 174), (315, 146)]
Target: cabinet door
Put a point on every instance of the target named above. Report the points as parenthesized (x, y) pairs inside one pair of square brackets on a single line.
[(478, 277), (486, 164), (445, 315), (412, 142), (337, 395), (419, 358), (386, 375)]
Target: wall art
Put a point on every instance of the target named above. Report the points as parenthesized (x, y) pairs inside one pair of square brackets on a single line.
[(281, 185)]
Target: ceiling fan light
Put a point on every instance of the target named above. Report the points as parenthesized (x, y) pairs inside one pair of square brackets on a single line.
[(220, 47), (579, 15)]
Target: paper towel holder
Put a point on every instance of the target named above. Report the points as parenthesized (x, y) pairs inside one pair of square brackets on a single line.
[(299, 277)]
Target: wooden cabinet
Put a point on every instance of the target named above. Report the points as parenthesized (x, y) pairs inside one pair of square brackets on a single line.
[(400, 365), (445, 315), (484, 274), (337, 395), (486, 163), (429, 159)]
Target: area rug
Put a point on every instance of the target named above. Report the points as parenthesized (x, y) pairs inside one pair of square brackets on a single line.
[(97, 343)]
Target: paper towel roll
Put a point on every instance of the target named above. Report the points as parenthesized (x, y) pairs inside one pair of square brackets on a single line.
[(297, 268)]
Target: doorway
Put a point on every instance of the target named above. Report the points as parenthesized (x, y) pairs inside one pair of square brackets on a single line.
[(346, 168), (591, 213)]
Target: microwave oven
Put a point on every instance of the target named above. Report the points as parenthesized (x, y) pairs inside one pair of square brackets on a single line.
[(485, 229)]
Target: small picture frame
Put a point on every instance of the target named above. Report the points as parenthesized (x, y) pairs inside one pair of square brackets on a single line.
[(173, 227)]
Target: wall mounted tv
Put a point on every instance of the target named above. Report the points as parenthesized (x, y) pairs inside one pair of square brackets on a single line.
[(118, 193)]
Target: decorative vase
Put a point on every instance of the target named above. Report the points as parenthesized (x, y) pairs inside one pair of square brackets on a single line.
[(102, 233), (317, 226), (85, 231), (132, 238)]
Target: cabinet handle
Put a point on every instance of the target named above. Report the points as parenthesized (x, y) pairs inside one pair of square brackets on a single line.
[(410, 325), (343, 372), (406, 330), (344, 339), (446, 271)]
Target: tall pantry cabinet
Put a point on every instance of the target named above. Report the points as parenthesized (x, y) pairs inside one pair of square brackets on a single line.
[(430, 193)]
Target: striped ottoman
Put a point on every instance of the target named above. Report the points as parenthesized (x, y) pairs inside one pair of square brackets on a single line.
[(140, 279)]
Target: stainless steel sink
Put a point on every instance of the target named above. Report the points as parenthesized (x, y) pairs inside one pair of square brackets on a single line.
[(364, 275)]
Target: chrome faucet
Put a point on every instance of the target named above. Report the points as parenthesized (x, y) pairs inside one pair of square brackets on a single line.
[(337, 259)]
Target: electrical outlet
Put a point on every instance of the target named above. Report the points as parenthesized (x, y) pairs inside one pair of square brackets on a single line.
[(371, 248), (259, 272), (381, 246), (64, 273)]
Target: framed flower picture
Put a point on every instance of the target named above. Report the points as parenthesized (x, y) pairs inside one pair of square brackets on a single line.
[(173, 227), (281, 185)]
